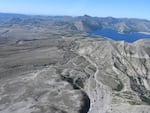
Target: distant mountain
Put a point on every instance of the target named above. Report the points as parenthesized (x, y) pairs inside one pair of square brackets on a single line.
[(82, 23), (123, 25)]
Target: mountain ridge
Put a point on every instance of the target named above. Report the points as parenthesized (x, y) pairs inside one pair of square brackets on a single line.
[(52, 65), (89, 23)]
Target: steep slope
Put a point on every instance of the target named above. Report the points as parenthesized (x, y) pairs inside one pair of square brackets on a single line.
[(122, 80), (78, 74)]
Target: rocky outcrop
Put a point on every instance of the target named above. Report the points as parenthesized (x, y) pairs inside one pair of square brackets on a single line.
[(122, 75), (77, 74)]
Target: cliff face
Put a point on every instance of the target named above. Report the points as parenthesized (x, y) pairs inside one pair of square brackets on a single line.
[(121, 82), (77, 74)]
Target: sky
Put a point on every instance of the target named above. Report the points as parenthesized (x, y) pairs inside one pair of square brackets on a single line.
[(100, 8)]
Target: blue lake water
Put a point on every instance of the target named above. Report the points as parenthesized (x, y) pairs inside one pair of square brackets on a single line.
[(128, 37)]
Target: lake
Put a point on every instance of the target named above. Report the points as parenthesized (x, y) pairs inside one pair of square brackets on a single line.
[(128, 37)]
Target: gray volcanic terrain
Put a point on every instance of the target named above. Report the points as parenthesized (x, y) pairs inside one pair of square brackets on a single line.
[(51, 65)]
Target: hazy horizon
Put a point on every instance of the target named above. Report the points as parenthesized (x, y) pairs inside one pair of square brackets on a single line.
[(96, 8), (72, 16)]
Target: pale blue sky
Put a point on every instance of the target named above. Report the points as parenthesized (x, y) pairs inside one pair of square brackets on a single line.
[(101, 8)]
